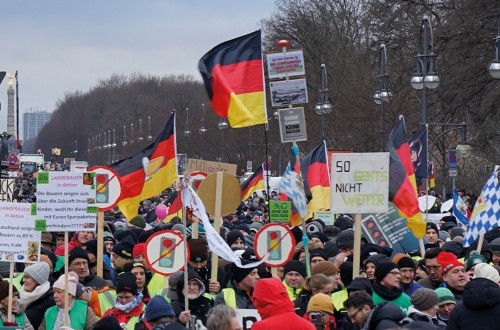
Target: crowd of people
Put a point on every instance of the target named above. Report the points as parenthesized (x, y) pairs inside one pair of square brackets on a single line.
[(450, 287)]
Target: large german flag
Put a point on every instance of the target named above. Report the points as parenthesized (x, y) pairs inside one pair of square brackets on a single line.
[(234, 79), (149, 171), (402, 187), (253, 183), (314, 167)]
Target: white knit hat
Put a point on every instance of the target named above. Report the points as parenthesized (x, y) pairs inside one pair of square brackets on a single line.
[(72, 283), (483, 270), (39, 271)]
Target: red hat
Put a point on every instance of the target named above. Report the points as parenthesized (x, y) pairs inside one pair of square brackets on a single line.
[(447, 260), (139, 250)]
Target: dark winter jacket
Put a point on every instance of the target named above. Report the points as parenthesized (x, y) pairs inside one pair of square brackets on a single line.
[(480, 308), (384, 316), (300, 304), (275, 307), (36, 310)]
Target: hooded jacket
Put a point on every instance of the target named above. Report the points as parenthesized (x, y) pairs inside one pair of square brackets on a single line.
[(199, 306), (480, 306), (275, 307), (384, 316)]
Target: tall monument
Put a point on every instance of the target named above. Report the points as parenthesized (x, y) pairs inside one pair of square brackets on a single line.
[(11, 124)]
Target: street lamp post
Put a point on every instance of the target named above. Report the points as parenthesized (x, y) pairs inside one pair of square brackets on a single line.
[(382, 95), (150, 137), (425, 75), (494, 67), (187, 131), (324, 104), (113, 145), (222, 125)]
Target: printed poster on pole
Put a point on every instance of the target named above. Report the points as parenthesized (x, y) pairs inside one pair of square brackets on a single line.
[(66, 201)]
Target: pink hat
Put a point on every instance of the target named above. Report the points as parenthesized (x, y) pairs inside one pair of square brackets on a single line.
[(72, 283)]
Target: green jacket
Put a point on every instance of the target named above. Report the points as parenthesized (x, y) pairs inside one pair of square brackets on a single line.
[(403, 301), (77, 315)]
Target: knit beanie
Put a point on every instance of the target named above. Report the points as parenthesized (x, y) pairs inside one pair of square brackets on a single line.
[(80, 288), (474, 259), (345, 239), (457, 231), (320, 302), (383, 268), (76, 253), (72, 283), (346, 272), (233, 236), (109, 237), (107, 323), (406, 262), (295, 266), (157, 308), (424, 299), (322, 237), (447, 260), (91, 246), (445, 296), (124, 248), (4, 289), (126, 282), (484, 270), (318, 253), (432, 225), (131, 265), (359, 284), (198, 249), (138, 221), (376, 259), (39, 271), (240, 273), (324, 267), (139, 250)]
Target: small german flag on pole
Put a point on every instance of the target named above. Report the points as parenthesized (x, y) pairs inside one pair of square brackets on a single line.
[(149, 171), (402, 186), (252, 183), (233, 75)]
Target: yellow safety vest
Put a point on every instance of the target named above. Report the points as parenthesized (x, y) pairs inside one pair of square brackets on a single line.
[(229, 297)]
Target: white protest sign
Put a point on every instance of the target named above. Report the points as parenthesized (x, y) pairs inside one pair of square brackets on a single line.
[(6, 190), (247, 317), (19, 241), (326, 216), (165, 252), (292, 124), (360, 182), (289, 64), (66, 201), (276, 240)]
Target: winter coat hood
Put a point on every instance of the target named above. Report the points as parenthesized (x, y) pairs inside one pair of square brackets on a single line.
[(384, 311), (481, 293), (270, 298)]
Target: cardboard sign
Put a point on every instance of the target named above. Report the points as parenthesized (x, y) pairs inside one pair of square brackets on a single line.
[(276, 239), (247, 317), (19, 242), (360, 182), (67, 201), (280, 211), (200, 165)]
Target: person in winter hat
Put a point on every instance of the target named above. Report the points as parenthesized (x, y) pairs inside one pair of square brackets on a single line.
[(424, 308), (276, 308), (408, 268), (160, 314), (36, 293), (387, 286), (446, 303), (54, 316), (19, 317), (320, 311), (238, 293), (294, 274), (454, 275), (122, 253)]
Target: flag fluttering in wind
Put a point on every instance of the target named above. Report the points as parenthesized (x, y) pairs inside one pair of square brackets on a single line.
[(460, 209), (174, 203), (233, 75), (253, 183), (292, 184), (149, 171), (314, 167), (402, 186), (486, 212)]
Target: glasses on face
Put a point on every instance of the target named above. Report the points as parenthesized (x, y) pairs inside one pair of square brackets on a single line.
[(353, 316), (434, 268), (395, 273)]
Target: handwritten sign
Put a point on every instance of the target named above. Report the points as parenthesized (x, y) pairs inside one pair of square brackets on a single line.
[(67, 200), (360, 182), (280, 211), (19, 242), (6, 190), (200, 165)]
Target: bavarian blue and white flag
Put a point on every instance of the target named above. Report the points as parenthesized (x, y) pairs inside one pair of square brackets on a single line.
[(460, 209), (486, 213), (292, 183)]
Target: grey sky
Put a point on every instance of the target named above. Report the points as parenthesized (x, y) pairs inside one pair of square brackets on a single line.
[(61, 46)]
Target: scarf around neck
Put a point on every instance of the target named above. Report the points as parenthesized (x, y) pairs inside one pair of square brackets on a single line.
[(29, 297), (385, 292)]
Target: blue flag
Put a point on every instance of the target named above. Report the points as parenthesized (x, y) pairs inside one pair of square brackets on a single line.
[(460, 209)]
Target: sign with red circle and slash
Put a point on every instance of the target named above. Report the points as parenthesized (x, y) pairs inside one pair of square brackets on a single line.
[(165, 252), (277, 240), (108, 187)]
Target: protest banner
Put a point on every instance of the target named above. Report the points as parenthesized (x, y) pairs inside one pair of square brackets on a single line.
[(66, 201), (276, 241), (165, 252), (200, 165), (326, 216), (280, 211), (6, 190)]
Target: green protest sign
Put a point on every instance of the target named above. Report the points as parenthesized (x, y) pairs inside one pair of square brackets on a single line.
[(280, 211)]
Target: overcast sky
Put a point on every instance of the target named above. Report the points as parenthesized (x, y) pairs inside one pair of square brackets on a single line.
[(61, 46)]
